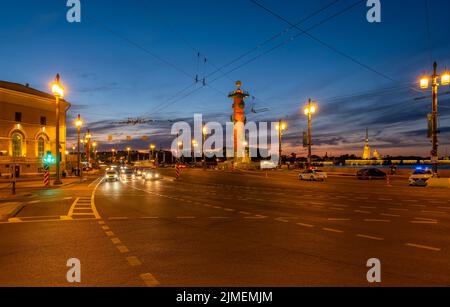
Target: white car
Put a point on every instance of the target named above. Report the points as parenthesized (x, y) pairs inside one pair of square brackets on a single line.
[(313, 175), (420, 177)]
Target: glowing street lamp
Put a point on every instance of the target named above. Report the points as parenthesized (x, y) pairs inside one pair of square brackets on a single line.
[(128, 150), (194, 146), (205, 133), (78, 124), (58, 92), (424, 84), (309, 111), (280, 128)]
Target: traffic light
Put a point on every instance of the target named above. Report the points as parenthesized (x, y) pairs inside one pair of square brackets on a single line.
[(48, 159)]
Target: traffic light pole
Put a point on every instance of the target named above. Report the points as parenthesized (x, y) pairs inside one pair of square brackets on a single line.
[(434, 124)]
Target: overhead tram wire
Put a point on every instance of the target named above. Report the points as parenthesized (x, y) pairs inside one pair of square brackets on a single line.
[(306, 32), (273, 37), (147, 51), (272, 49), (260, 45)]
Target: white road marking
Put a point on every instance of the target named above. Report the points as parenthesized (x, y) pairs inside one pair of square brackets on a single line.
[(435, 249), (375, 220), (305, 225), (332, 230), (370, 237), (391, 215), (149, 280), (338, 219)]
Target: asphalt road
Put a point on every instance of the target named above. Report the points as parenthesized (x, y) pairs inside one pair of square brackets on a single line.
[(230, 229)]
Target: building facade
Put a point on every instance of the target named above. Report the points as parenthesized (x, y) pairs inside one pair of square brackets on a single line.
[(28, 129)]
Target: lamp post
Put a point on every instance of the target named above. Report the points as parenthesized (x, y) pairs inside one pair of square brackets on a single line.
[(113, 153), (310, 109), (280, 127), (94, 146), (204, 133), (88, 146), (194, 146), (128, 151), (58, 92), (152, 150), (78, 124), (424, 84)]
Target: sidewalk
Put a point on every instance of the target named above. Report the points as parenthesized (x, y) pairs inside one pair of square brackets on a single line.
[(25, 187)]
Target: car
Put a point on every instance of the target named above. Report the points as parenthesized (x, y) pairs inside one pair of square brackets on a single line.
[(420, 177), (111, 175), (128, 174), (151, 175), (313, 175), (139, 172), (371, 174)]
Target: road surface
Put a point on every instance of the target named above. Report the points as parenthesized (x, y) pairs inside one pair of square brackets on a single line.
[(229, 229)]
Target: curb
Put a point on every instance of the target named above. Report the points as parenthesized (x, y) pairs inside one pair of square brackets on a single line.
[(12, 212)]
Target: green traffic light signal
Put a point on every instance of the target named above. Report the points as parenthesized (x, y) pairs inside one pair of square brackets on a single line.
[(49, 159)]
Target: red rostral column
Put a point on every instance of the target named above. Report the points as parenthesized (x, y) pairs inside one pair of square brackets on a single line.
[(238, 97)]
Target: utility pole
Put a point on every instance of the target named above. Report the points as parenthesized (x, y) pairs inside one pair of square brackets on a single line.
[(433, 121), (309, 133), (58, 92), (434, 125), (281, 127)]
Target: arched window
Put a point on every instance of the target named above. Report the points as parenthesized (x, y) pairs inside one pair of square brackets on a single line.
[(17, 145), (41, 147)]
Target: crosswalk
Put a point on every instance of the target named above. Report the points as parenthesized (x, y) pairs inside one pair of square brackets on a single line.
[(83, 208)]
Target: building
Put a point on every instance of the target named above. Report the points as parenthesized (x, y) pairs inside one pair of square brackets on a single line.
[(28, 128), (367, 154)]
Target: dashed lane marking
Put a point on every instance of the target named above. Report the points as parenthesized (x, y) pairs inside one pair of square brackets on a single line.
[(338, 220), (370, 237), (305, 225), (377, 221), (149, 280), (362, 211), (333, 230), (123, 249), (434, 212), (390, 215), (430, 248), (134, 261), (109, 233), (423, 222), (116, 241)]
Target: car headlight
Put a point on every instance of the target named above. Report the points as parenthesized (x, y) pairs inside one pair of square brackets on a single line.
[(157, 175)]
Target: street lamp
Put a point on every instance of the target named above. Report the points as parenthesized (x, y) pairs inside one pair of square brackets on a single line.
[(78, 124), (194, 146), (58, 92), (205, 133), (88, 145), (94, 146), (280, 128), (152, 148), (424, 84), (128, 150), (310, 109)]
